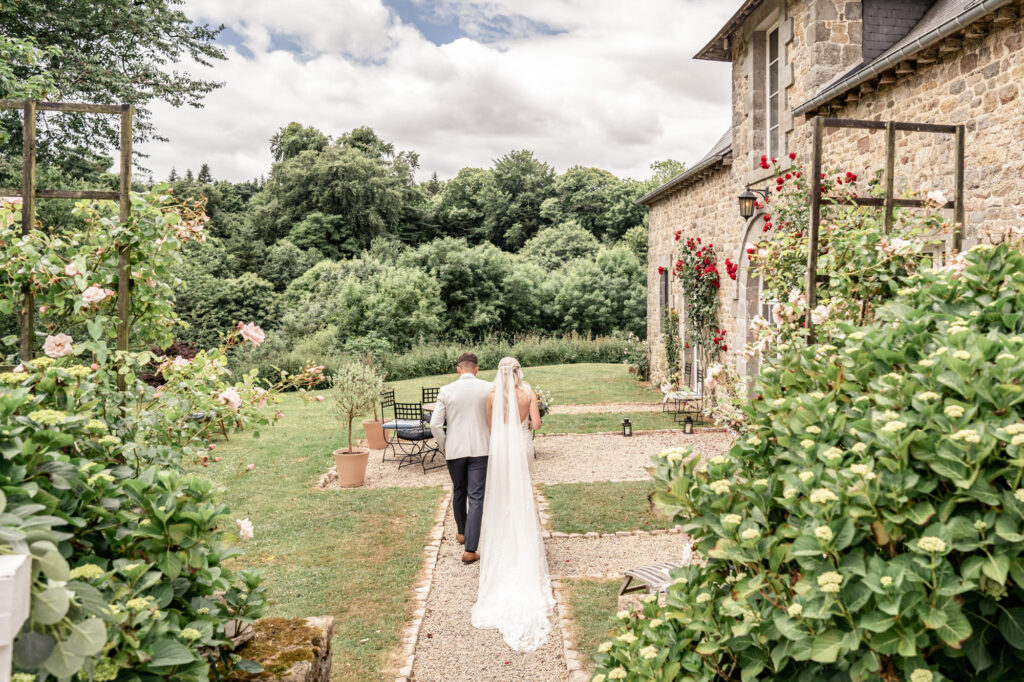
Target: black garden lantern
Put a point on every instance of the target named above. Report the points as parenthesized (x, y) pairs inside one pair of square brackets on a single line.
[(627, 428), (688, 425), (748, 200)]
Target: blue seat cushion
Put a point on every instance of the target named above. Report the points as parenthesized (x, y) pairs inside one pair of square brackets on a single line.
[(402, 424), (415, 434)]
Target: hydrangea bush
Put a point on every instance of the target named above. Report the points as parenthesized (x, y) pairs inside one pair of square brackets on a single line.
[(129, 581), (870, 523)]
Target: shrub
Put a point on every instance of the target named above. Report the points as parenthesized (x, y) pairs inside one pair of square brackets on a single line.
[(869, 524), (558, 245)]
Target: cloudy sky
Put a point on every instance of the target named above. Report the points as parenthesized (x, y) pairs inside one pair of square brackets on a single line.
[(606, 83)]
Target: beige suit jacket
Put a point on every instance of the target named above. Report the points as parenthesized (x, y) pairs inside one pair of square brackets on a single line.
[(463, 404)]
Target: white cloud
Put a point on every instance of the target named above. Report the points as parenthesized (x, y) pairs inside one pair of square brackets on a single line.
[(615, 87)]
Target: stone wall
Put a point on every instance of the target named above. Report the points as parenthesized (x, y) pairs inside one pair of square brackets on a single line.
[(978, 86)]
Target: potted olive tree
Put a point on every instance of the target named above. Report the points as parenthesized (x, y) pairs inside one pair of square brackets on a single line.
[(354, 389)]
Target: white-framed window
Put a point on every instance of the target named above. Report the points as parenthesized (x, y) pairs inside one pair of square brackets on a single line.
[(772, 94), (765, 302)]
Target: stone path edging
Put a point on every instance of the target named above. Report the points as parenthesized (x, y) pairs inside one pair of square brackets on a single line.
[(699, 429), (424, 581)]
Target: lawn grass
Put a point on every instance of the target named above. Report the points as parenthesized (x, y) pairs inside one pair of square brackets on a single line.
[(604, 507), (593, 604), (582, 384), (353, 554), (599, 422)]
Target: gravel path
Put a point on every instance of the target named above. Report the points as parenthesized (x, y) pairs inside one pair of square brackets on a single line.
[(569, 557), (450, 648), (575, 458), (606, 407), (568, 458)]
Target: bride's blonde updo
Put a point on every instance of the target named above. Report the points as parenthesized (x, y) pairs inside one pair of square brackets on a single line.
[(512, 366)]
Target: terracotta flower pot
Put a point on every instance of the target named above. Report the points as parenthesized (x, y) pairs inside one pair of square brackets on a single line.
[(351, 466), (374, 429)]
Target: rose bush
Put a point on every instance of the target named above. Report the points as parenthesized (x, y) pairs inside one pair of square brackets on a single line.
[(870, 523)]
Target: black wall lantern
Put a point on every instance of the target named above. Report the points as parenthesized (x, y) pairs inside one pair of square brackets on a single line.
[(627, 428), (688, 425), (749, 198)]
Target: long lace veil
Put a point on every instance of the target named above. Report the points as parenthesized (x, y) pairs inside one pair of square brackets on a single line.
[(515, 588)]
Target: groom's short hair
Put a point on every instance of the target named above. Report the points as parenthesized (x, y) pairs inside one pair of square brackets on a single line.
[(467, 359)]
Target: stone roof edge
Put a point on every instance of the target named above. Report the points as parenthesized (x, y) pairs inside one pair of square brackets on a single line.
[(717, 48), (717, 159), (887, 61)]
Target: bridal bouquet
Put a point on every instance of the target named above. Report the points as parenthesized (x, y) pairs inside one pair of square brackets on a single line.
[(543, 401)]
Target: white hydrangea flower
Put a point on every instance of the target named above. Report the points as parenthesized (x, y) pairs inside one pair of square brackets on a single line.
[(895, 426), (818, 395), (926, 362), (859, 447), (1019, 494), (859, 469), (655, 622), (779, 402), (921, 675), (966, 435), (649, 652), (1015, 428), (813, 430), (857, 336), (703, 597), (893, 376), (719, 460), (885, 580), (627, 637), (807, 443), (794, 610), (889, 415), (605, 647), (962, 355), (1017, 439), (957, 329), (753, 440), (980, 526), (750, 534), (833, 454), (761, 483), (928, 396), (806, 476), (823, 496), (622, 615), (953, 411), (932, 544), (618, 673), (870, 476), (830, 581), (720, 487), (823, 533), (732, 519)]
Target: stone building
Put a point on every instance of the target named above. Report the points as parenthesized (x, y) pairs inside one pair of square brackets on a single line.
[(933, 61)]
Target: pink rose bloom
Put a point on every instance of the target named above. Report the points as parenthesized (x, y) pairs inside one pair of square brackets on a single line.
[(251, 332), (217, 459), (71, 270), (245, 530), (94, 366), (250, 467), (229, 396), (58, 346), (180, 362), (261, 396), (319, 398), (94, 294)]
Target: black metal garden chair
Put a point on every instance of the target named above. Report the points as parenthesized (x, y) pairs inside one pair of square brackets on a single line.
[(411, 439)]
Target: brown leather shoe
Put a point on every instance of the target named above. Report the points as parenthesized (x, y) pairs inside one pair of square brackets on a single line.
[(470, 557), (461, 538)]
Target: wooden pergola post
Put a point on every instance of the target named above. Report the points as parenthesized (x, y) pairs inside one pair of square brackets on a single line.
[(888, 202), (29, 193)]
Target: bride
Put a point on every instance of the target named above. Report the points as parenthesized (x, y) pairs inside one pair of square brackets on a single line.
[(515, 588)]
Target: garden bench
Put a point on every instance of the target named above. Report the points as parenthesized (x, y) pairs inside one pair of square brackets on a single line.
[(654, 578)]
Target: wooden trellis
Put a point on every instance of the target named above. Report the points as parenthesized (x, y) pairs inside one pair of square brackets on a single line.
[(888, 202), (29, 193)]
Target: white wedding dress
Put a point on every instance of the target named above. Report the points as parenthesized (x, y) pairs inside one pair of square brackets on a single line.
[(515, 587)]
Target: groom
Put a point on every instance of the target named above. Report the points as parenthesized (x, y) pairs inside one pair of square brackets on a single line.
[(463, 404)]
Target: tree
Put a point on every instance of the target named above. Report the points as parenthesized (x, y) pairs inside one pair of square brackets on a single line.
[(294, 138), (106, 51), (173, 175), (285, 262), (212, 306), (604, 295), (663, 171), (204, 176), (364, 195), (559, 245), (355, 387), (635, 239), (188, 175), (433, 185), (523, 183), (599, 201), (463, 206)]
